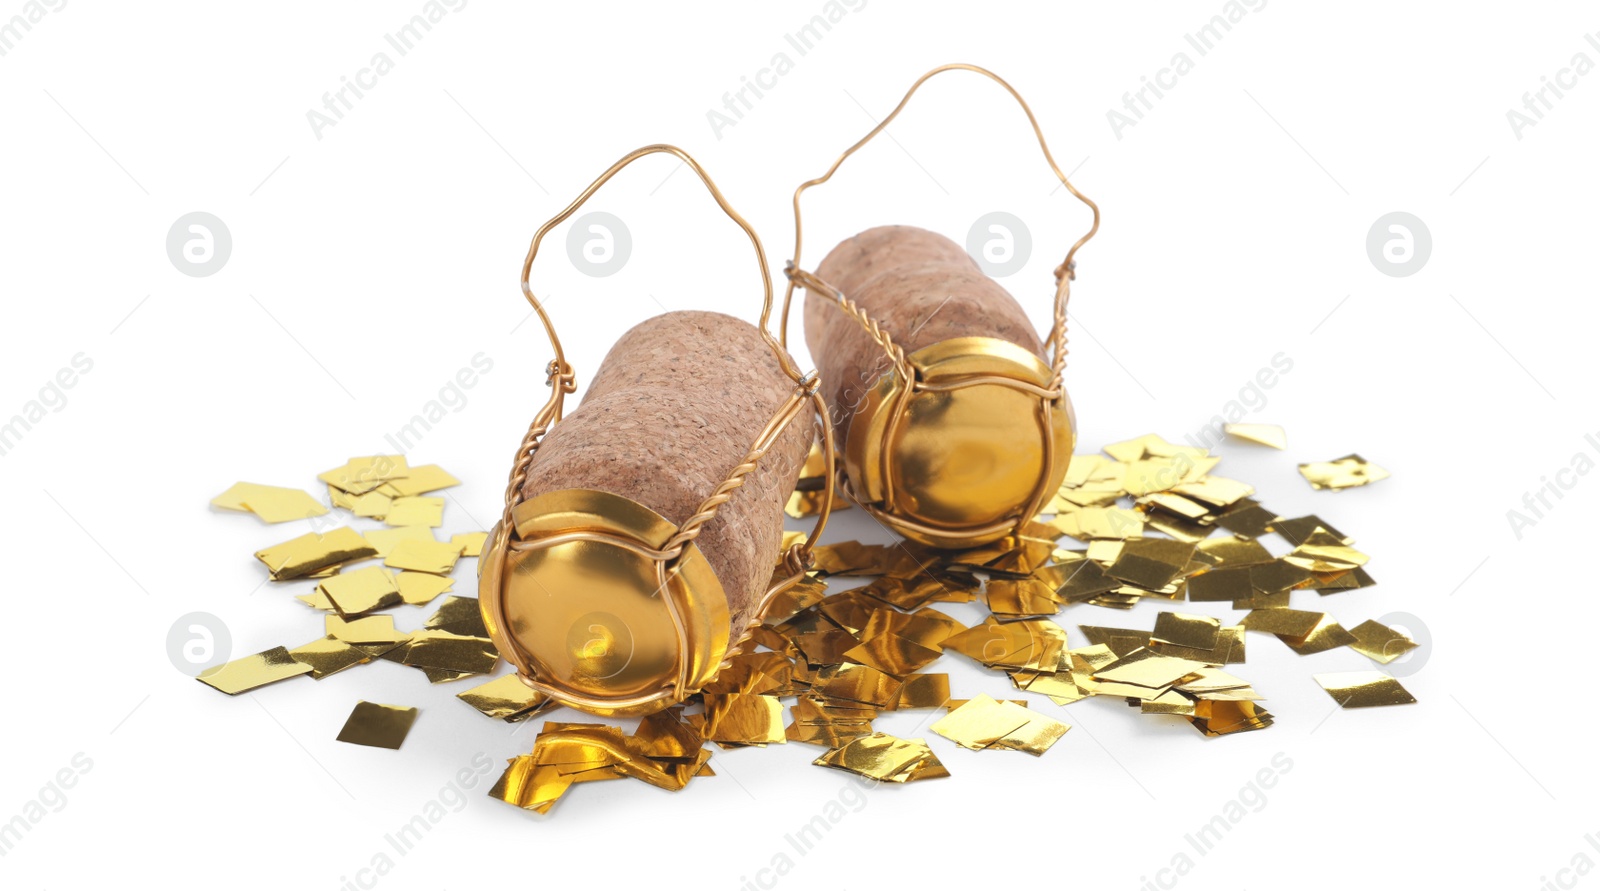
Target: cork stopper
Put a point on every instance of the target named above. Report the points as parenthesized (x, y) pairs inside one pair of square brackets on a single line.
[(673, 408), (922, 288)]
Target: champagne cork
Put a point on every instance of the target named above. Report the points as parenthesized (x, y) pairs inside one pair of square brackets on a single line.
[(672, 410), (922, 288)]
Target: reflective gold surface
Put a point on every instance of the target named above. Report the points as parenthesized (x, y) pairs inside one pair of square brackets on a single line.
[(587, 613), (959, 466)]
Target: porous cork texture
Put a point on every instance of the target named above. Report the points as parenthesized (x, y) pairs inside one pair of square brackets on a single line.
[(922, 288), (674, 407)]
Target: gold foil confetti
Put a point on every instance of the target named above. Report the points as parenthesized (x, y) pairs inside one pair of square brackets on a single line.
[(365, 630), (1327, 635), (420, 588), (1028, 597), (328, 655), (419, 480), (416, 510), (1151, 563), (984, 723), (458, 615), (893, 654), (273, 504), (1260, 434), (361, 475), (311, 553), (1218, 585), (1379, 642), (506, 698), (744, 719), (361, 591), (1184, 630), (471, 542), (886, 758), (437, 557), (384, 540), (379, 726), (1343, 473), (1363, 689), (1296, 530), (251, 672), (450, 652)]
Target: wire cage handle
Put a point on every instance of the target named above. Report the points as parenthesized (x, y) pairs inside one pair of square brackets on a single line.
[(562, 381), (1063, 273)]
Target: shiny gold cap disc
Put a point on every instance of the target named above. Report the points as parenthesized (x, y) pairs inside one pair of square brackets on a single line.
[(956, 461), (587, 611)]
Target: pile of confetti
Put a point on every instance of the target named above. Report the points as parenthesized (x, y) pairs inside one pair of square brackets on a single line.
[(1148, 514)]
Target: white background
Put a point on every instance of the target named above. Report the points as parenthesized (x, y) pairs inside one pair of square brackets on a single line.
[(371, 264)]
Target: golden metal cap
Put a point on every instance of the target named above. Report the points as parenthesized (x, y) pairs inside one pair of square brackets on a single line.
[(580, 602), (957, 457)]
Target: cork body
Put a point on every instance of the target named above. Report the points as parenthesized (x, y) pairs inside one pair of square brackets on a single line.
[(672, 409), (922, 288)]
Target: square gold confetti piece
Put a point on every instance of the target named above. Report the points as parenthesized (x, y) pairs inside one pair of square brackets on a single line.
[(250, 672), (1184, 630), (1147, 668), (886, 758), (1343, 473), (328, 655), (437, 557), (1151, 563), (311, 553), (419, 588), (506, 698), (362, 591), (364, 631), (1218, 585), (1379, 642), (744, 718), (418, 480), (531, 785), (384, 540), (1260, 434), (984, 723), (273, 504), (379, 726), (458, 615), (471, 542), (1363, 689), (416, 510)]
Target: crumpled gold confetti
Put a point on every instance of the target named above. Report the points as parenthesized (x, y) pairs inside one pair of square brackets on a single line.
[(1342, 473), (1150, 519), (886, 758)]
